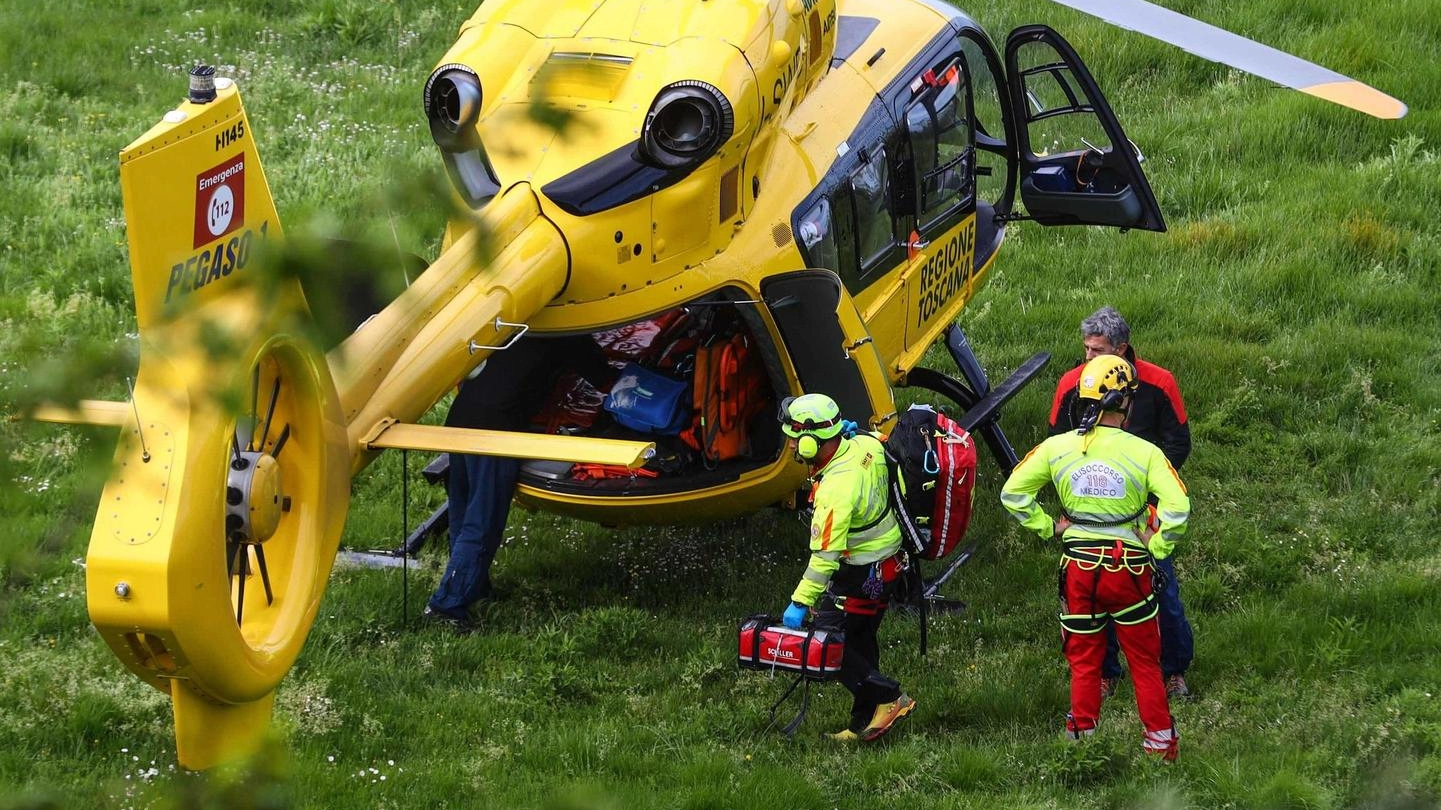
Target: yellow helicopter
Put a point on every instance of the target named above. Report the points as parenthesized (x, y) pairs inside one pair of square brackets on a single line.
[(816, 186)]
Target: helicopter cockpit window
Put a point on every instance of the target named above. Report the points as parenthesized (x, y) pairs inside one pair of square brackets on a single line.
[(817, 238), (987, 90), (1060, 117), (941, 144), (987, 94), (873, 214), (922, 128)]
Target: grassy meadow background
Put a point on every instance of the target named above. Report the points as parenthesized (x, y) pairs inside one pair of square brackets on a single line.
[(1295, 296)]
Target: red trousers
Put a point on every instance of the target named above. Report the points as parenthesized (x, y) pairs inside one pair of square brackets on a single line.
[(1102, 592)]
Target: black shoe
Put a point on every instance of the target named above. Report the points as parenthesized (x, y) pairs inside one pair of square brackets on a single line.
[(460, 624)]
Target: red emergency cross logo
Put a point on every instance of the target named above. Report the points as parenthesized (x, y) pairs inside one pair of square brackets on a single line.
[(219, 200)]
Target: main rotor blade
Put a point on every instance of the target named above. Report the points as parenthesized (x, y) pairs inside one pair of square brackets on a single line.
[(1219, 45)]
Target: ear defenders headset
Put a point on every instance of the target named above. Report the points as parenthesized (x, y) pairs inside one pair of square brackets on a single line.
[(810, 419), (807, 446), (1112, 399)]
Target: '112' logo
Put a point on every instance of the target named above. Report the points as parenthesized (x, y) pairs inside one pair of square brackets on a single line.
[(219, 200)]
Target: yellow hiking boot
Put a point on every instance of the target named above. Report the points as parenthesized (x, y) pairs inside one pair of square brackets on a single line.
[(845, 735), (886, 716)]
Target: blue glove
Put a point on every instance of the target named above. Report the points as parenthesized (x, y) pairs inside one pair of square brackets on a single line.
[(849, 428), (795, 616)]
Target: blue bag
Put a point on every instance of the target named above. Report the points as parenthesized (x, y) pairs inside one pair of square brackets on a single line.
[(649, 402)]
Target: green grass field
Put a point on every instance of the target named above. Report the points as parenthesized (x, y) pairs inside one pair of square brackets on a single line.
[(1295, 297)]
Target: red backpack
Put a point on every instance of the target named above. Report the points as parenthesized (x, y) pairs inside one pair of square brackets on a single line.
[(936, 458)]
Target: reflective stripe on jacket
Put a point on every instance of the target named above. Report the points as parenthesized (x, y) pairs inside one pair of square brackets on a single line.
[(1102, 477), (853, 522)]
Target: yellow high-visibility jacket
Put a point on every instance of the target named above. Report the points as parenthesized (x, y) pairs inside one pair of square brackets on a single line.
[(1101, 478), (853, 522)]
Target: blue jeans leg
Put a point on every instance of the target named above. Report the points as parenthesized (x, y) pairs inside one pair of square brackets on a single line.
[(1111, 664), (480, 492), (1177, 645)]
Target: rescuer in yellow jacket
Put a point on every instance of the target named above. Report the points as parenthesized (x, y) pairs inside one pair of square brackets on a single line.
[(1103, 477), (856, 559)]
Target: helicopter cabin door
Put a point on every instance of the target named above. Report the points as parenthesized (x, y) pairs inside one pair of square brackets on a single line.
[(828, 343), (1077, 166)]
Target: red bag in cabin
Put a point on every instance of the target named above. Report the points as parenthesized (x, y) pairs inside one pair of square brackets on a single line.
[(813, 654), (573, 403), (601, 472), (937, 460), (641, 341), (729, 390)]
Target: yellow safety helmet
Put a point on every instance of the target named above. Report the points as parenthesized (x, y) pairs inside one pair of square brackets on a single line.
[(1107, 380), (810, 419)]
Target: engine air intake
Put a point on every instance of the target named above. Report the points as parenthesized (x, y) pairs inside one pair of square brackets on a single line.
[(452, 105), (687, 123)]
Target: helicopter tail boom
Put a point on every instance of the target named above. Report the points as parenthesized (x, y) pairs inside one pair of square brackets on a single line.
[(476, 298)]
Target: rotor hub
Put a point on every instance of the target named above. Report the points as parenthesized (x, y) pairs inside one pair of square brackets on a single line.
[(253, 497)]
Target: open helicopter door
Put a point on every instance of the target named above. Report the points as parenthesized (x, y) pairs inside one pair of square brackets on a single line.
[(828, 343), (1077, 165)]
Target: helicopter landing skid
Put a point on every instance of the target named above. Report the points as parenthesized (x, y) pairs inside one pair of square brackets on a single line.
[(982, 410), (931, 591), (943, 605)]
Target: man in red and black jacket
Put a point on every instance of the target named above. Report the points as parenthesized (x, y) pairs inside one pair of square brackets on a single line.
[(1158, 415)]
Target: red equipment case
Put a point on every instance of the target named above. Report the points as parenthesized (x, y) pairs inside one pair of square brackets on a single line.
[(813, 654)]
